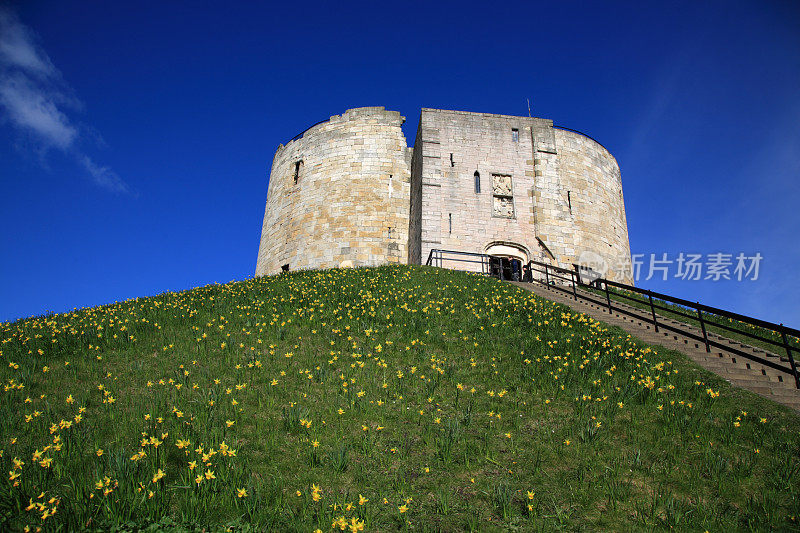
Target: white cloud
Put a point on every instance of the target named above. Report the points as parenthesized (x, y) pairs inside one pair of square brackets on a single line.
[(103, 176), (33, 97), (18, 49), (29, 108)]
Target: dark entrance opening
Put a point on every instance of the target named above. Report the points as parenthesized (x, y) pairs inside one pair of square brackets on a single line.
[(505, 268)]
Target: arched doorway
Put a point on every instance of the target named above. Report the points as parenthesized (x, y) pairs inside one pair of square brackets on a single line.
[(507, 260)]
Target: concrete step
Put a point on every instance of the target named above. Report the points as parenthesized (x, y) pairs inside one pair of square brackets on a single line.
[(749, 374), (769, 391), (734, 363), (755, 380), (733, 369)]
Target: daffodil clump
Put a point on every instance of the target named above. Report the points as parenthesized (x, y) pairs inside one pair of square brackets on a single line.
[(395, 398)]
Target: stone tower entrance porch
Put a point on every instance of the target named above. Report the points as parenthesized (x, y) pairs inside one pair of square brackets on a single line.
[(507, 260)]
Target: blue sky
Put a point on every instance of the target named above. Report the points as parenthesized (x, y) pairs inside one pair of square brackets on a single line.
[(136, 140)]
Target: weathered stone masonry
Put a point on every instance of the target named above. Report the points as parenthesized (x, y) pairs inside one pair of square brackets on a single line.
[(347, 204), (475, 182)]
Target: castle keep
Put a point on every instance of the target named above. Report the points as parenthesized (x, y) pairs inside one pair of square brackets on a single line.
[(349, 192)]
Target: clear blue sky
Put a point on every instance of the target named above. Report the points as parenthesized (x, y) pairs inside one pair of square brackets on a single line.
[(136, 138)]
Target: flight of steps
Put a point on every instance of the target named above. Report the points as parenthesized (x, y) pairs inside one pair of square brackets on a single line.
[(737, 370)]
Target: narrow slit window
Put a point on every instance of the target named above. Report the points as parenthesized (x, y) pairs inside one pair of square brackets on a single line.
[(451, 222), (452, 163), (298, 167), (477, 182), (569, 200), (515, 135)]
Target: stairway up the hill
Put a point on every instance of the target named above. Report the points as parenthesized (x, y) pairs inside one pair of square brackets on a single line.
[(737, 370)]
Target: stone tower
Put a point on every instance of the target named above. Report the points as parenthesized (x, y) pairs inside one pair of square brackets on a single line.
[(348, 192), (518, 187), (339, 195)]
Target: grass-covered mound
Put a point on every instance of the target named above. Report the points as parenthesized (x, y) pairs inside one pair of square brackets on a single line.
[(381, 399)]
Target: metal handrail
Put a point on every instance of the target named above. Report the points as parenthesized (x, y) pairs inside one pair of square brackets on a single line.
[(783, 331), (686, 303), (568, 281), (437, 258)]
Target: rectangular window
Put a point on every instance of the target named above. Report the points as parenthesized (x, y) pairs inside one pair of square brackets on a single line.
[(502, 196), (515, 135), (477, 182)]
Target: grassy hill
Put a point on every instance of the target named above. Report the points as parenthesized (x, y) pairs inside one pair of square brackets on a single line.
[(375, 399)]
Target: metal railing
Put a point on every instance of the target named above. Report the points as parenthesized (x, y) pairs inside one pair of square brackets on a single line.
[(569, 281), (472, 262), (438, 258)]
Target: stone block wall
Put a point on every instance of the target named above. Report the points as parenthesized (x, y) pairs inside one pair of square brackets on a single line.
[(339, 195), (415, 207), (591, 178), (455, 215), (349, 192), (549, 193)]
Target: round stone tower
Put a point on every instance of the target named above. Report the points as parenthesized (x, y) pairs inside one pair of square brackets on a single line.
[(339, 195), (595, 206)]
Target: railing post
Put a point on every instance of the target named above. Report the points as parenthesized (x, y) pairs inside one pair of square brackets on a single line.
[(546, 276), (608, 296), (574, 292), (703, 327), (791, 358), (652, 309)]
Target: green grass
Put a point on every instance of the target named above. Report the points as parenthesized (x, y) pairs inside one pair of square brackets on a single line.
[(396, 398)]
